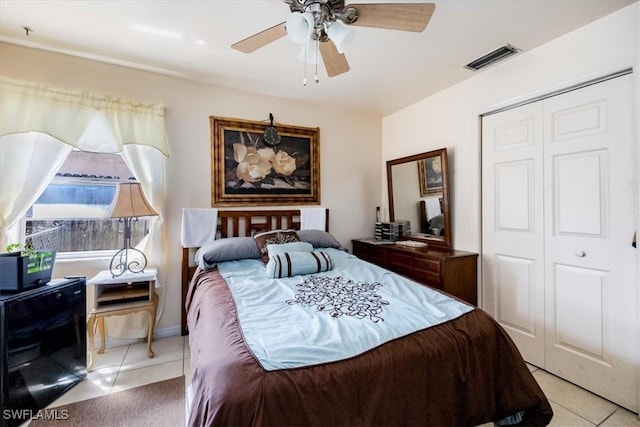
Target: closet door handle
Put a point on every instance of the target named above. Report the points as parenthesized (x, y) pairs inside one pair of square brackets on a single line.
[(581, 254)]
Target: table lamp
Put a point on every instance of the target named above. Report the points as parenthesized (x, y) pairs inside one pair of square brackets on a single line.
[(128, 204)]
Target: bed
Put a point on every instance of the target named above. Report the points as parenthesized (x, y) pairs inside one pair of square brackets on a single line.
[(461, 371)]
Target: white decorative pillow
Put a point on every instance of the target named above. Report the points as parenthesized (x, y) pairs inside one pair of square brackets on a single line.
[(277, 249), (289, 264)]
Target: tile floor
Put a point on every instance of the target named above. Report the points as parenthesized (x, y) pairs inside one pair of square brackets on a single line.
[(128, 366)]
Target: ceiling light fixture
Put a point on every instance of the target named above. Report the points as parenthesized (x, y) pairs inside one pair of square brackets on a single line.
[(340, 34), (314, 23), (326, 22), (300, 26)]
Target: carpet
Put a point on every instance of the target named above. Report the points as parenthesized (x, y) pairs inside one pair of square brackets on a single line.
[(158, 404)]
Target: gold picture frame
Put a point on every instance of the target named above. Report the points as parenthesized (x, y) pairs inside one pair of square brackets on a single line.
[(247, 171), (430, 175)]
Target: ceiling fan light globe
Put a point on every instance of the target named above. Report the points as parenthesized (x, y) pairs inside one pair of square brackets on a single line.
[(300, 26), (340, 34)]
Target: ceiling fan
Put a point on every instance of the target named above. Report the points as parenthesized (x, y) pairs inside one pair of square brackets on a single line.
[(325, 24)]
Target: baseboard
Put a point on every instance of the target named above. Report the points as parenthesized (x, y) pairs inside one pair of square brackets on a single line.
[(157, 334), (167, 332)]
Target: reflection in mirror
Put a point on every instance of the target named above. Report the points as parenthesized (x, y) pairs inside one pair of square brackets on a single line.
[(431, 217), (418, 192)]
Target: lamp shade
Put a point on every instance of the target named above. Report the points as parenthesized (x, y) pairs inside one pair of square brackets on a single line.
[(300, 26), (340, 34), (129, 201)]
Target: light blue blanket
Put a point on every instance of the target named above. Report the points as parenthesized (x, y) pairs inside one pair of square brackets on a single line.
[(325, 317)]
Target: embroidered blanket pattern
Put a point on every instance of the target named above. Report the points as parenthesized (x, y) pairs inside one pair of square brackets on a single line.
[(339, 296)]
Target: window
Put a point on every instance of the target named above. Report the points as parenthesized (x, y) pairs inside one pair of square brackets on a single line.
[(68, 216)]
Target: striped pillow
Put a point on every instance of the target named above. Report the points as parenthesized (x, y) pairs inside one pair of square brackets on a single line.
[(274, 250), (296, 263)]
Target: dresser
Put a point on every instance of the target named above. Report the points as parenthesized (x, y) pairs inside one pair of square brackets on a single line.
[(454, 272)]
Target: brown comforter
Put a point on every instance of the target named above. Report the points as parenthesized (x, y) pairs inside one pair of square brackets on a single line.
[(461, 373)]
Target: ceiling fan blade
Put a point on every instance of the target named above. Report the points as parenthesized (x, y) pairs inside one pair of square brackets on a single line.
[(261, 39), (395, 16), (334, 61)]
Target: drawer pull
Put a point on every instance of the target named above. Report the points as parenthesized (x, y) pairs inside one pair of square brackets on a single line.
[(581, 254)]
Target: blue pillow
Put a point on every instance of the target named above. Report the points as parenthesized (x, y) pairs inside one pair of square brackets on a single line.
[(226, 249), (289, 264), (319, 239)]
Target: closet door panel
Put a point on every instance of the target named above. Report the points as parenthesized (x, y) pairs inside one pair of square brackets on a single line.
[(591, 301), (513, 272), (580, 194), (514, 191), (516, 294), (579, 297)]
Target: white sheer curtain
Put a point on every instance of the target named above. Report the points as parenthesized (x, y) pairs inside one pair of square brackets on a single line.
[(28, 162), (90, 122)]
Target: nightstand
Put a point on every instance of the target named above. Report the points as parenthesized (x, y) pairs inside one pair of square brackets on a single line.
[(117, 296)]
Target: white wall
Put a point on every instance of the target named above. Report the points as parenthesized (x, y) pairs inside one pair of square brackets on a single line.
[(350, 145), (450, 118)]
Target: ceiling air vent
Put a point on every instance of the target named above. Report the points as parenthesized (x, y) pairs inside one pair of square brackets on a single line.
[(494, 56)]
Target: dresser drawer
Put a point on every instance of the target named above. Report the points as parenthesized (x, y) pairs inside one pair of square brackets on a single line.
[(372, 253), (427, 277), (400, 263), (426, 265)]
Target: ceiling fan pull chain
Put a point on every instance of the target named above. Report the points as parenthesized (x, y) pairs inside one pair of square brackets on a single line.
[(304, 78), (316, 78)]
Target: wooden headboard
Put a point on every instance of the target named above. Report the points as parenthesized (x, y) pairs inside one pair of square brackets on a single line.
[(241, 224)]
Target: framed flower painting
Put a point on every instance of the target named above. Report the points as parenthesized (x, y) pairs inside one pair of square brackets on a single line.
[(430, 175), (249, 167)]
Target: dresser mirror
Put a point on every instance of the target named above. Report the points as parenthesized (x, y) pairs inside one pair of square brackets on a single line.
[(419, 193)]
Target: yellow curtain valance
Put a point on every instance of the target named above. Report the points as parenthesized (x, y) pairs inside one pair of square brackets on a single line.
[(80, 119)]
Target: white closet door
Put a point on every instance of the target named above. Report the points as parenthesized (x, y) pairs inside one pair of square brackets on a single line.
[(559, 212), (512, 221), (590, 274)]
